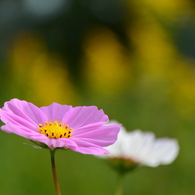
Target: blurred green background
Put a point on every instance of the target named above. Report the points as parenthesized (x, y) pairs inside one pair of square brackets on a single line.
[(133, 59)]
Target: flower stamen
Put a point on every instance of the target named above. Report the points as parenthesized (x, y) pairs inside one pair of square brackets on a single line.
[(55, 130)]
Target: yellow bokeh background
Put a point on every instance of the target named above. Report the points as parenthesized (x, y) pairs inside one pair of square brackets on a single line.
[(147, 83)]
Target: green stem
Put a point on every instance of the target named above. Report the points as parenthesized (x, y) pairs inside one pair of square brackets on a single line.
[(55, 177), (119, 188)]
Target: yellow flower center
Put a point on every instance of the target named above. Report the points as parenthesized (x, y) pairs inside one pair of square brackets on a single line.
[(55, 130)]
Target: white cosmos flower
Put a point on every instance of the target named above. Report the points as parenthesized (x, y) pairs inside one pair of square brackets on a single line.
[(142, 148)]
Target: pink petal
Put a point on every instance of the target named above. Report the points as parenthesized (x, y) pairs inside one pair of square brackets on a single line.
[(22, 109), (55, 111), (83, 115), (88, 148), (8, 117), (101, 135), (54, 143), (21, 131)]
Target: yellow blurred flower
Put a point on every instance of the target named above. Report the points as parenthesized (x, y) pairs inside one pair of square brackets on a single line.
[(37, 74), (108, 70)]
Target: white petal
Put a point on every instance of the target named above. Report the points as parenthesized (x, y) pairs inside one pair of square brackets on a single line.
[(164, 151), (137, 143)]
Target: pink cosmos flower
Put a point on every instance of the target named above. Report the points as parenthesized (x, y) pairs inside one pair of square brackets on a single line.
[(79, 128)]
